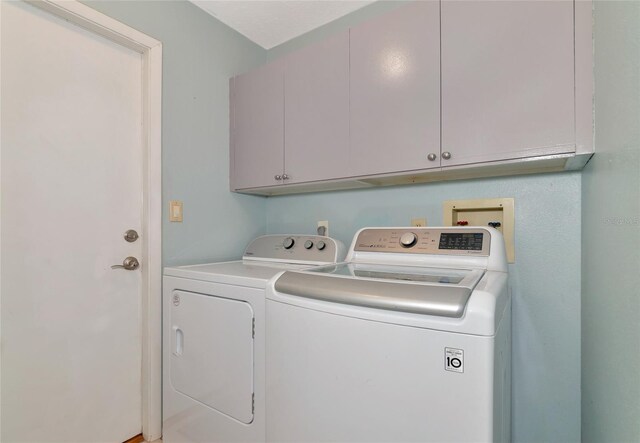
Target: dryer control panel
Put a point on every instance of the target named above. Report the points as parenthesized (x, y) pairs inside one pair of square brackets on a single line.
[(296, 248), (433, 241)]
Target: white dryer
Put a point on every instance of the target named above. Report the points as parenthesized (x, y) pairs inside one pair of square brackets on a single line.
[(214, 338), (409, 340)]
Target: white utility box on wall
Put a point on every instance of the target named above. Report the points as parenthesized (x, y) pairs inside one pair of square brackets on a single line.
[(495, 212)]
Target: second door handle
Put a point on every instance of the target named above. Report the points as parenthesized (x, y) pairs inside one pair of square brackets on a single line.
[(129, 263)]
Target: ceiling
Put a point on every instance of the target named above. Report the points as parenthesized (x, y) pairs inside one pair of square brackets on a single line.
[(272, 22)]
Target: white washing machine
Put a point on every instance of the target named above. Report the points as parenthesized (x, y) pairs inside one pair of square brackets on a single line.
[(214, 338), (409, 340)]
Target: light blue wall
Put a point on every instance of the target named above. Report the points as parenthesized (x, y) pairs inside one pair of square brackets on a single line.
[(611, 234), (545, 277), (199, 55)]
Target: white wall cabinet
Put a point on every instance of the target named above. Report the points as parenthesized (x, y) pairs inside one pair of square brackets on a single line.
[(428, 91), (257, 127), (290, 118), (507, 80), (316, 95), (395, 91)]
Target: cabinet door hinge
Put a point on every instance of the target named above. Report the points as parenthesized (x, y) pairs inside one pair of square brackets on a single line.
[(253, 402), (253, 327)]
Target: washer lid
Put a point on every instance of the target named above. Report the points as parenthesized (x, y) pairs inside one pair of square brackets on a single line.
[(420, 290), (412, 274)]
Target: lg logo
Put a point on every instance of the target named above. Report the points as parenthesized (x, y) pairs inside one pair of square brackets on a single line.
[(453, 360)]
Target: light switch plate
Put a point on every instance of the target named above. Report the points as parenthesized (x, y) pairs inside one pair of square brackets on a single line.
[(175, 211), (481, 212)]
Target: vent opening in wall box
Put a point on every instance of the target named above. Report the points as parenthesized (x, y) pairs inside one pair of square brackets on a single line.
[(498, 213)]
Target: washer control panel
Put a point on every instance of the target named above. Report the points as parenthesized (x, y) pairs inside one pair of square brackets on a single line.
[(439, 241), (293, 248)]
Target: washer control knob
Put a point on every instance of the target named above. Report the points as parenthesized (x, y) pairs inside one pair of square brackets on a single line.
[(321, 245), (308, 244), (288, 243), (408, 239)]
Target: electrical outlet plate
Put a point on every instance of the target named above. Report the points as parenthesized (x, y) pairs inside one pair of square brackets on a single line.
[(480, 213), (325, 224), (419, 222)]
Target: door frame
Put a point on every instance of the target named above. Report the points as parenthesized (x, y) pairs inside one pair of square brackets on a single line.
[(151, 291)]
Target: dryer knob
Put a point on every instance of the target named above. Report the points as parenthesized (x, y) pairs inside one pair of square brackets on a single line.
[(288, 243), (308, 244), (408, 239), (321, 245)]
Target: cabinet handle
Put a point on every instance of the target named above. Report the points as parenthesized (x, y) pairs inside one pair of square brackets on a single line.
[(285, 177), (446, 155), (432, 157), (277, 177)]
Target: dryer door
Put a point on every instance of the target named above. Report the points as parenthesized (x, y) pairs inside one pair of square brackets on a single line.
[(212, 352)]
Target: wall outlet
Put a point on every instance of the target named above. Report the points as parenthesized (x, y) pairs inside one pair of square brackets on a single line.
[(419, 222), (323, 228)]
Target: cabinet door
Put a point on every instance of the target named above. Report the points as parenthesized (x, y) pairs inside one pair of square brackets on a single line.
[(395, 91), (507, 80), (257, 145), (317, 111)]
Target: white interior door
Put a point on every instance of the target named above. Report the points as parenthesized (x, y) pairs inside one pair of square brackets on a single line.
[(71, 183)]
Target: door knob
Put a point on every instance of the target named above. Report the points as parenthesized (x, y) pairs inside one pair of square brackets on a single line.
[(131, 235), (432, 157), (446, 155), (129, 263)]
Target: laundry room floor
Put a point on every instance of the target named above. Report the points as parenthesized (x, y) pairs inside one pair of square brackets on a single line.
[(140, 439)]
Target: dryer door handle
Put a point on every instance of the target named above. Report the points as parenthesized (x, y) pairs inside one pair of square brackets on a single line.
[(178, 341)]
